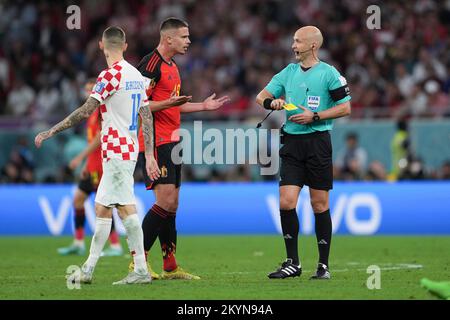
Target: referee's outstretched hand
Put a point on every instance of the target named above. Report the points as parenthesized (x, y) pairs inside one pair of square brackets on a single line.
[(277, 104), (303, 118)]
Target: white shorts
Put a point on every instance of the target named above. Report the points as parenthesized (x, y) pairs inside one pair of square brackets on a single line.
[(117, 183)]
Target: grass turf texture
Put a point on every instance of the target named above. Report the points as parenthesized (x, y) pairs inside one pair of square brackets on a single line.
[(232, 267)]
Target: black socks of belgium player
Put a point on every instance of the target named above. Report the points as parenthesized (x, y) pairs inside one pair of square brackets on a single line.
[(151, 225), (323, 235), (160, 222), (290, 227)]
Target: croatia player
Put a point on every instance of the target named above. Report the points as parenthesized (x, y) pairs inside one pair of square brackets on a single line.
[(120, 95), (90, 178)]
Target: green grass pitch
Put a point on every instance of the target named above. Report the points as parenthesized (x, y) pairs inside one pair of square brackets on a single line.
[(233, 267)]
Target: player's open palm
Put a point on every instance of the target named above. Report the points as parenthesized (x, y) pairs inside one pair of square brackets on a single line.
[(151, 165), (210, 103), (175, 100)]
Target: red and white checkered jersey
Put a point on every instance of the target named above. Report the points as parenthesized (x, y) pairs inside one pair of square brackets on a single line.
[(121, 92)]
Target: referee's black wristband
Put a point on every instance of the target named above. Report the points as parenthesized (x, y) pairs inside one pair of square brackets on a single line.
[(266, 103)]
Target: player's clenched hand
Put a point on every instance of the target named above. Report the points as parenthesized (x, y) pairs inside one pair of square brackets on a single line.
[(41, 137), (210, 103), (277, 104), (151, 166), (303, 118)]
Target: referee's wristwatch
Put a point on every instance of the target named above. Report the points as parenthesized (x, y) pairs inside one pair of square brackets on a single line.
[(316, 117)]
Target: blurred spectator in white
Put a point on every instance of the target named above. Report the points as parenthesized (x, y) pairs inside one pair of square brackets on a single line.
[(71, 95), (438, 101), (352, 161), (427, 67), (20, 99), (414, 105), (47, 102), (405, 81)]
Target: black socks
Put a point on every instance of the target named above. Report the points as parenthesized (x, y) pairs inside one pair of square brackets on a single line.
[(323, 235), (290, 227)]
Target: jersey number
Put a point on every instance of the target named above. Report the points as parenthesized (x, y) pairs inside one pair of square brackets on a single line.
[(134, 117)]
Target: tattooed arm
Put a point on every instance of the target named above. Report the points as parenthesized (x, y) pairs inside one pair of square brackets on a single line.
[(71, 120), (147, 131)]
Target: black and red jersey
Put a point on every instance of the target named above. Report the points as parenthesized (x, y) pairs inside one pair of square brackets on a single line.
[(164, 80)]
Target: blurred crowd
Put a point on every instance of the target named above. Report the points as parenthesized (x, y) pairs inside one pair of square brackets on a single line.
[(402, 69), (352, 162), (399, 71)]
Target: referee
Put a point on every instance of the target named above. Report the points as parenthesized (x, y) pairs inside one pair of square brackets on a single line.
[(319, 94)]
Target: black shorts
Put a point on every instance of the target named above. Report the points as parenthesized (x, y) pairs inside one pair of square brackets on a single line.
[(306, 159), (170, 172), (90, 183)]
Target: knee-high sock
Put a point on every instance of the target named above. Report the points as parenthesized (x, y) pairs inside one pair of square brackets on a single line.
[(323, 234), (136, 242), (290, 227), (102, 229), (80, 219), (114, 236), (168, 241), (152, 224)]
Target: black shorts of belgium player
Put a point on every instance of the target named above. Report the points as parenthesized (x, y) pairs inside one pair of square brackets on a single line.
[(306, 159), (90, 183), (170, 172)]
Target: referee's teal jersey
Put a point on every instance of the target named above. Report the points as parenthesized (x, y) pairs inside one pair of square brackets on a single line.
[(319, 88)]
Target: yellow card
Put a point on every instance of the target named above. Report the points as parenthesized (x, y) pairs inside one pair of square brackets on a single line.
[(289, 107)]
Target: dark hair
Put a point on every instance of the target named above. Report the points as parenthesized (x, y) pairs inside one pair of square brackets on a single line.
[(114, 35), (402, 124), (173, 23), (91, 80), (352, 135)]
